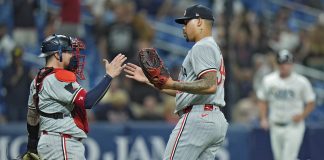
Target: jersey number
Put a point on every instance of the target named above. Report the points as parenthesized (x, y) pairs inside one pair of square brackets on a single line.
[(222, 73)]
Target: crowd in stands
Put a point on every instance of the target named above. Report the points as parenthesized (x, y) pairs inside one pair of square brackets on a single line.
[(248, 36)]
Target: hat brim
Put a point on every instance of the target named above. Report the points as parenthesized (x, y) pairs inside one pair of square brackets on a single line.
[(181, 20)]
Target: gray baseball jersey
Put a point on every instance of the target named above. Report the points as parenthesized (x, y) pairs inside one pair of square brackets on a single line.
[(57, 96), (200, 132), (205, 56)]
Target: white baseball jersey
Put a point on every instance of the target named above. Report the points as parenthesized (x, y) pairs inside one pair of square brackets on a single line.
[(205, 56), (285, 97), (57, 96)]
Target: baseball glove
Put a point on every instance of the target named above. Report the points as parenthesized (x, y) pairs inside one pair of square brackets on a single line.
[(31, 153), (153, 67), (29, 156)]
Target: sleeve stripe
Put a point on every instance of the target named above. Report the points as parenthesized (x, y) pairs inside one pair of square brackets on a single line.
[(205, 71), (80, 99)]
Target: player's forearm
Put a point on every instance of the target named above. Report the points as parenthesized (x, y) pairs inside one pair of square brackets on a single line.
[(308, 109), (33, 129), (205, 85), (263, 109), (96, 94), (169, 92), (32, 117), (196, 87)]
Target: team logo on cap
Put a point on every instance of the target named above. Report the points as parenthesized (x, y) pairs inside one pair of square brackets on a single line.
[(185, 13), (197, 14)]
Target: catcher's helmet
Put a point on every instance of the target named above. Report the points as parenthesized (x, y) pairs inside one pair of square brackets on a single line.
[(56, 43), (284, 56), (61, 43)]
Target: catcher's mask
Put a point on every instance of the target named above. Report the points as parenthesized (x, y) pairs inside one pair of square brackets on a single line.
[(62, 43)]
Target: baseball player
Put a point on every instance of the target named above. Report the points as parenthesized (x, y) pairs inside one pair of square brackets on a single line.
[(199, 92), (289, 98), (57, 103)]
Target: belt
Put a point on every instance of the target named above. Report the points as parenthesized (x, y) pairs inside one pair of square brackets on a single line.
[(57, 115), (61, 135), (206, 107), (280, 124)]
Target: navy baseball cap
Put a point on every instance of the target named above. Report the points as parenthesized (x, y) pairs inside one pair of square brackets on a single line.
[(196, 11)]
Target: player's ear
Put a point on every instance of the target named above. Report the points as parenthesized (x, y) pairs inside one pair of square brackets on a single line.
[(199, 22)]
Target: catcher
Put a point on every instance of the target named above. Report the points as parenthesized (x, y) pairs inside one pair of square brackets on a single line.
[(199, 92), (57, 103)]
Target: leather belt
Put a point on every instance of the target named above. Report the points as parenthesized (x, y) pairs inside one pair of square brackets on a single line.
[(56, 115), (61, 135), (206, 107), (280, 124)]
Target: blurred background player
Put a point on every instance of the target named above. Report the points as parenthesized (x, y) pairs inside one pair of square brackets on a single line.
[(16, 83), (289, 99), (57, 102)]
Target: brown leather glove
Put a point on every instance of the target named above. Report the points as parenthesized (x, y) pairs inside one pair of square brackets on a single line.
[(153, 67)]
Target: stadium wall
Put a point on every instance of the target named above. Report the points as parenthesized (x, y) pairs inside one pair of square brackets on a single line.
[(146, 141)]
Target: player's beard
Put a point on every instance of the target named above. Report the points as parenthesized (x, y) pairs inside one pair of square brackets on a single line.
[(73, 65), (185, 36)]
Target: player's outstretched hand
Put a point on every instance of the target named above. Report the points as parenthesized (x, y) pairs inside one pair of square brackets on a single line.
[(115, 67), (135, 72)]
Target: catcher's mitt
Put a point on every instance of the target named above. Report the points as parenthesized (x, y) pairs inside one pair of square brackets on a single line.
[(29, 156), (153, 67), (31, 153)]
